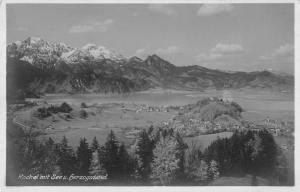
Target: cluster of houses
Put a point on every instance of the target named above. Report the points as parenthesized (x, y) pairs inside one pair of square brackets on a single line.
[(275, 127), (36, 101), (150, 108), (191, 126)]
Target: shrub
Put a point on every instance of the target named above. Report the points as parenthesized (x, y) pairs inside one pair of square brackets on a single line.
[(237, 107), (212, 171), (65, 108), (53, 109), (42, 113), (83, 105), (68, 116), (203, 102), (83, 114)]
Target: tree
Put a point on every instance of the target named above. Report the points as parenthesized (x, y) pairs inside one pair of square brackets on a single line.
[(180, 154), (66, 158), (126, 164), (199, 173), (220, 151), (84, 156), (31, 156), (65, 108), (267, 157), (194, 154), (213, 172), (31, 153), (282, 168), (83, 105), (252, 150), (83, 114), (144, 153), (245, 153), (236, 153), (110, 157), (26, 154), (49, 142), (96, 167), (50, 157), (95, 145), (42, 113), (165, 162)]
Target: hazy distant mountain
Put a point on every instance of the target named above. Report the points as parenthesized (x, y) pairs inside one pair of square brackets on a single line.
[(38, 66)]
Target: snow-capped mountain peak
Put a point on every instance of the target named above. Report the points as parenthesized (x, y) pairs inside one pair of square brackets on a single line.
[(18, 43), (89, 46), (100, 52), (36, 50), (35, 39)]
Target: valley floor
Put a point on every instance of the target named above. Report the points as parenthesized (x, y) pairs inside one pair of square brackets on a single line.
[(119, 112)]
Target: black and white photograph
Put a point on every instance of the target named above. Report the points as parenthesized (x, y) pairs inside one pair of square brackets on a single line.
[(150, 94)]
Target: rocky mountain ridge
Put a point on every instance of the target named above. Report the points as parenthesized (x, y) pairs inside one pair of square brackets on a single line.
[(38, 66)]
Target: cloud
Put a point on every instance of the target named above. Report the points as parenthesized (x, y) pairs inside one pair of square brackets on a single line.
[(284, 53), (208, 57), (280, 59), (220, 51), (82, 28), (227, 48), (169, 50), (141, 53), (101, 26), (284, 50), (214, 9), (162, 8)]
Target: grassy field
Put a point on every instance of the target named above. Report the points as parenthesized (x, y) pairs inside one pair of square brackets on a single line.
[(121, 118)]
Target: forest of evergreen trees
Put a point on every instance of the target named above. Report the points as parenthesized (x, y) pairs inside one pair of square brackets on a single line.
[(160, 157)]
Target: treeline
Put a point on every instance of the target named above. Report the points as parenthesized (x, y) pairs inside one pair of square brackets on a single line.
[(249, 152), (159, 157), (44, 112)]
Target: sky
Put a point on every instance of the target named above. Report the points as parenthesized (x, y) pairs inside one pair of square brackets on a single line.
[(231, 37)]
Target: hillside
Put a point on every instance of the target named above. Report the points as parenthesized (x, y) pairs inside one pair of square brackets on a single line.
[(207, 116)]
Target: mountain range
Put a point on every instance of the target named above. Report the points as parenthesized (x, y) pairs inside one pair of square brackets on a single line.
[(36, 66)]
